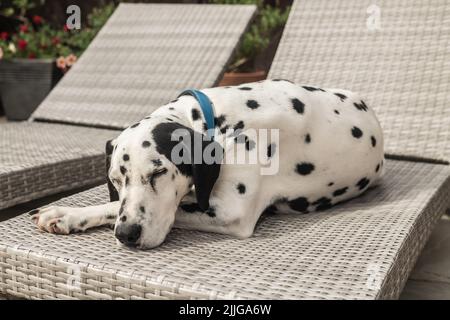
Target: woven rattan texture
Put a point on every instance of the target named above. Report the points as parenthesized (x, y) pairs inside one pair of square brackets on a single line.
[(145, 55), (395, 53), (362, 249), (37, 159)]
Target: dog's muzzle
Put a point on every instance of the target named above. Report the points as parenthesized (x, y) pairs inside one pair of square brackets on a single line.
[(128, 234)]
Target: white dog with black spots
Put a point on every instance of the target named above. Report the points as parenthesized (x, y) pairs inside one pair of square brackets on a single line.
[(329, 149)]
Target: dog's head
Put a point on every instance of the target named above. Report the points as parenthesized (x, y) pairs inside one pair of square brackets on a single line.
[(151, 166)]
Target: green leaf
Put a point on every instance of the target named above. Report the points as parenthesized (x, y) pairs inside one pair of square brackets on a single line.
[(7, 12)]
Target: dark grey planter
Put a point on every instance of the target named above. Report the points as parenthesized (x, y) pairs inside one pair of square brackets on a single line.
[(24, 83)]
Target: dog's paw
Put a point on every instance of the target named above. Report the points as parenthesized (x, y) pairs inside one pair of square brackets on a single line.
[(52, 219)]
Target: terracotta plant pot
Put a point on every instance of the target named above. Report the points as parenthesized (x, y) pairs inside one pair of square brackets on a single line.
[(24, 83), (236, 78)]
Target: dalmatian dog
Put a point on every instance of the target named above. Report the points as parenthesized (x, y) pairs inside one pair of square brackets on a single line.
[(328, 148)]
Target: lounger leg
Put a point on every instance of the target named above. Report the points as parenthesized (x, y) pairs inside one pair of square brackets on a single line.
[(64, 220)]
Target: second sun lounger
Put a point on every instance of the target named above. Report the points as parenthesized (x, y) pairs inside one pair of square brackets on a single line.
[(141, 59)]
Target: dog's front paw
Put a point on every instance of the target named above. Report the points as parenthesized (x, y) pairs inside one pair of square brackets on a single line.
[(52, 219)]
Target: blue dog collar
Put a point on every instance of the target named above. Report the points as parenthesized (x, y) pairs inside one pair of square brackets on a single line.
[(206, 106)]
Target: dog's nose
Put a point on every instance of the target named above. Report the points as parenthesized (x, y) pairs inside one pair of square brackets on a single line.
[(128, 234)]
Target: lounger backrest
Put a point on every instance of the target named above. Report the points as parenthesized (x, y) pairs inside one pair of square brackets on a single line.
[(395, 53), (143, 57)]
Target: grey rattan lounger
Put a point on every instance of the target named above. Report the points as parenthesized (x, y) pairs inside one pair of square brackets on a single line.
[(362, 249), (142, 58)]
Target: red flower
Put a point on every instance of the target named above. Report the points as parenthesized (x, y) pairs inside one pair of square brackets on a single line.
[(4, 35), (22, 44), (32, 55), (37, 19), (23, 28), (55, 40)]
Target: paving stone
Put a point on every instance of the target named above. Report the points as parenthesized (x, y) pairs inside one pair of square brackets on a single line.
[(424, 290)]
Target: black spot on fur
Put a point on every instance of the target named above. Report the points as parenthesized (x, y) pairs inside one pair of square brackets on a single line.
[(241, 188), (307, 138), (361, 106), (282, 80), (312, 89), (298, 105), (252, 104), (127, 180), (336, 111), (340, 192), (142, 209), (356, 132), (218, 121), (323, 203), (272, 209), (341, 96), (174, 101), (193, 207), (157, 162), (245, 88), (377, 168), (83, 223), (195, 114), (123, 218), (304, 168), (111, 216), (249, 144), (205, 126), (145, 144), (170, 120), (171, 108), (300, 204), (135, 125), (373, 140), (126, 157), (173, 176), (239, 126), (224, 129), (190, 207), (362, 183), (211, 211), (271, 149), (123, 170), (331, 184)]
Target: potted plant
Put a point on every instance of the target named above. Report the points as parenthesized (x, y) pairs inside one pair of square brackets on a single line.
[(34, 55), (255, 54)]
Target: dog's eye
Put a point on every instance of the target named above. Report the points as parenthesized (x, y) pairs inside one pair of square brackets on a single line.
[(155, 174), (159, 172)]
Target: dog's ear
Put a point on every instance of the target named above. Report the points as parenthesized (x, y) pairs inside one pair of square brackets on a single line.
[(113, 194), (206, 170)]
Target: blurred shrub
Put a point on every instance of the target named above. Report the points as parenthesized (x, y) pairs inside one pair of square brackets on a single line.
[(268, 21), (34, 37)]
